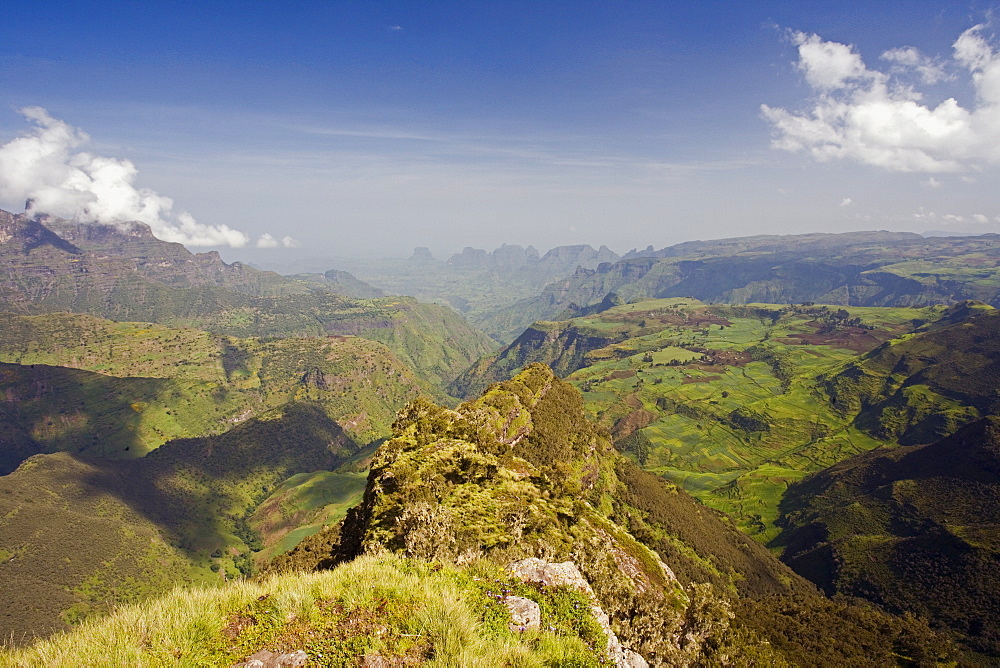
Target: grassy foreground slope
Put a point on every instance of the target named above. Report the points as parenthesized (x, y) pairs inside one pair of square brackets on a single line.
[(80, 536), (727, 401), (379, 610)]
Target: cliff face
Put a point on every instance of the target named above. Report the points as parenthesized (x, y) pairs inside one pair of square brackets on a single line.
[(69, 266), (563, 346), (511, 258)]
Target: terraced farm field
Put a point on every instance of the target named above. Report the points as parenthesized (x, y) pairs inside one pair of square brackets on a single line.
[(728, 401)]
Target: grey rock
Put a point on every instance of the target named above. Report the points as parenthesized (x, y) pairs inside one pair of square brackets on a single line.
[(268, 659), (543, 572), (524, 613), (567, 573)]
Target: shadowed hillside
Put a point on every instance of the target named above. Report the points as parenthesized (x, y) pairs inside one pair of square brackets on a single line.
[(138, 385), (913, 528), (81, 536)]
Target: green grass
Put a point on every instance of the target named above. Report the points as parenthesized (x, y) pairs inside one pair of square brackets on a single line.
[(399, 609)]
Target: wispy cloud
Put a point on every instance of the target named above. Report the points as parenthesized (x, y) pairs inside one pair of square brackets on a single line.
[(909, 59), (949, 219), (874, 117), (477, 152)]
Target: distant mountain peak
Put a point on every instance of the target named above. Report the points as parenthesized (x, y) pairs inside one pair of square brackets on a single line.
[(100, 233), (30, 233), (421, 254)]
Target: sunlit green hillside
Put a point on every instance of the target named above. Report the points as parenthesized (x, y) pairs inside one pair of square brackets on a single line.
[(727, 401), (138, 385)]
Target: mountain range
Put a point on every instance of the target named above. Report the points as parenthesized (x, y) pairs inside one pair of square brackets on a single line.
[(850, 269)]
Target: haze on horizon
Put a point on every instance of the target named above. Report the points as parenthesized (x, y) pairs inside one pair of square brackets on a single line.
[(274, 131)]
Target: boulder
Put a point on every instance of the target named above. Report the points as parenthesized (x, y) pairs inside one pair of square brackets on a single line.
[(524, 613), (567, 574)]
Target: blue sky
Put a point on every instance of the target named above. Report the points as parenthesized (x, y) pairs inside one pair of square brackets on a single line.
[(341, 128)]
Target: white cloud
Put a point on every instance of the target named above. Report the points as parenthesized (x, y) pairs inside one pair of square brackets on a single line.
[(907, 58), (847, 201), (931, 182), (45, 166), (828, 65), (872, 117), (268, 241), (947, 219)]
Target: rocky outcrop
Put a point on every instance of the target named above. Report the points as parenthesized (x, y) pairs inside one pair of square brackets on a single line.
[(562, 346), (568, 575)]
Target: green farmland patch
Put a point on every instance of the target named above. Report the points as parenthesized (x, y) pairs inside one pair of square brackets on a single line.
[(736, 393)]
